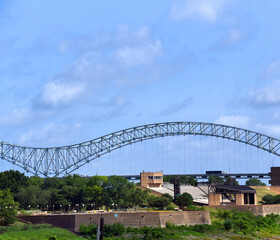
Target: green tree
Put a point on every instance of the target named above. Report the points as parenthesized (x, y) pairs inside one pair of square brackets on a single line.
[(184, 200), (94, 189), (12, 180), (183, 179), (161, 202), (33, 196), (35, 180), (139, 197), (222, 181), (167, 195), (8, 208), (117, 192), (254, 182)]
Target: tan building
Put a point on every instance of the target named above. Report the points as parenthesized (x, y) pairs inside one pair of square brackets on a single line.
[(151, 179)]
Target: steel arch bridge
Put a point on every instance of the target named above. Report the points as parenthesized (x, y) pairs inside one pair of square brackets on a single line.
[(55, 161)]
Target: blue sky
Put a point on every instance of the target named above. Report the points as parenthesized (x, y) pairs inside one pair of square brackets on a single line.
[(71, 71)]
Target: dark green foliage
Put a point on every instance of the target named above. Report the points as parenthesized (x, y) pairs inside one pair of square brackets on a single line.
[(247, 223), (201, 228), (116, 229), (75, 192), (12, 180), (169, 207), (184, 200), (254, 182), (270, 199), (161, 202), (8, 208), (166, 195), (33, 195), (169, 225), (88, 230), (158, 202), (222, 181), (183, 179)]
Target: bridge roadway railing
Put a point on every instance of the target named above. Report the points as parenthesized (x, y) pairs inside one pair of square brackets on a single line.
[(55, 161), (206, 176)]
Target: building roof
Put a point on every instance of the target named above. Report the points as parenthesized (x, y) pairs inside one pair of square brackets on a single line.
[(231, 189)]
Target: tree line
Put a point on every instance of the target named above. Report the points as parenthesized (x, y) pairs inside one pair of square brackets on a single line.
[(77, 193)]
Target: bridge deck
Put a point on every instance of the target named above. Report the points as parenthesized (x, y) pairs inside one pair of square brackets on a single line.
[(206, 176)]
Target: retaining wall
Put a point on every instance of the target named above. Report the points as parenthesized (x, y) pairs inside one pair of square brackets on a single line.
[(262, 210), (73, 222)]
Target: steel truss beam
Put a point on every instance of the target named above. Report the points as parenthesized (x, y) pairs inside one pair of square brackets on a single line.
[(64, 160)]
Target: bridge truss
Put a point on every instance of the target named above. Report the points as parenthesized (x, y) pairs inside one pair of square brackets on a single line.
[(55, 161)]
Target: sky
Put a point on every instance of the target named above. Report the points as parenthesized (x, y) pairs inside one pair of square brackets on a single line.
[(72, 71)]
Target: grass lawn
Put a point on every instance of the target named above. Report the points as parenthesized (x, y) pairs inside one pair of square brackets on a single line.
[(35, 232), (261, 192)]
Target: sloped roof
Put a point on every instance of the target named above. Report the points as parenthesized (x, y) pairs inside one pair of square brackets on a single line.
[(232, 189)]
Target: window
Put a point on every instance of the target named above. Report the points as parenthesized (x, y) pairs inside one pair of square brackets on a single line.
[(154, 177), (157, 177)]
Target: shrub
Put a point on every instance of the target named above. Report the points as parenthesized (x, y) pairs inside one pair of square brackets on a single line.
[(169, 224), (166, 195), (116, 229), (184, 200), (268, 198), (88, 230), (201, 228), (169, 207)]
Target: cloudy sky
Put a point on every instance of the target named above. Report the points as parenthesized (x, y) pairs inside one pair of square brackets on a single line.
[(71, 71)]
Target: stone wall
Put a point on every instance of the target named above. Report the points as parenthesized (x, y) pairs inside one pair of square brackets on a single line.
[(73, 222)]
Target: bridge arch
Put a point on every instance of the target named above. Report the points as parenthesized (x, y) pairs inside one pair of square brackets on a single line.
[(58, 160)]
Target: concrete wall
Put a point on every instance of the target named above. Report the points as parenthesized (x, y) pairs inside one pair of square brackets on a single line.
[(239, 198), (214, 199), (262, 210), (73, 222), (62, 221)]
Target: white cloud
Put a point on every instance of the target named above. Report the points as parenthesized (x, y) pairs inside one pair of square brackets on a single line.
[(248, 123), (132, 56), (60, 93), (51, 134), (233, 120), (22, 116), (234, 36), (271, 130), (208, 10), (102, 57), (269, 95)]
